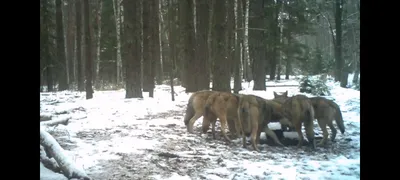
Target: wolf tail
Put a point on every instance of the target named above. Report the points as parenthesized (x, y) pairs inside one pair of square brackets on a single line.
[(338, 116), (189, 111)]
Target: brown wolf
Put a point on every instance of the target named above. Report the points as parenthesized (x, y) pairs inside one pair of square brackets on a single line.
[(222, 105), (195, 109), (325, 111), (298, 109), (254, 115), (277, 113)]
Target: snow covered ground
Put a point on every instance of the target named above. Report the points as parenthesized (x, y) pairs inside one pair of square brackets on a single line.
[(111, 137)]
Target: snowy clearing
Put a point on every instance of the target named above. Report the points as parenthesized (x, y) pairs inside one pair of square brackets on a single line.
[(111, 137)]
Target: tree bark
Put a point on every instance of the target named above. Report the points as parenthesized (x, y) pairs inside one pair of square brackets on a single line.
[(288, 57), (275, 39), (186, 10), (70, 41), (155, 44), (88, 52), (259, 47), (202, 74), (246, 61), (132, 46), (172, 42), (62, 63), (117, 18), (237, 83), (98, 52), (147, 54), (78, 45), (161, 42), (45, 44), (69, 169), (280, 42), (221, 68), (210, 42), (338, 39)]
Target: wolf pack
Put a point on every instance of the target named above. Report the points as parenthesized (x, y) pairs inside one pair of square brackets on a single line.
[(249, 115)]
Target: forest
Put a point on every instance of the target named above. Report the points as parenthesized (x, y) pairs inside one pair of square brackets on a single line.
[(118, 79), (88, 45)]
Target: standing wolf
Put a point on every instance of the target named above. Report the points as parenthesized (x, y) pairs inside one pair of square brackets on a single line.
[(222, 105), (254, 115), (325, 111), (195, 109), (298, 109)]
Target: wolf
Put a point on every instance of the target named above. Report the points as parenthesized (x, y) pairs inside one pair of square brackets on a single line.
[(254, 115), (298, 109), (222, 105), (325, 111), (195, 109)]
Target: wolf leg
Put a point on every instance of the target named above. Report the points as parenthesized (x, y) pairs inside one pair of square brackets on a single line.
[(322, 125), (213, 129), (272, 134), (254, 131), (300, 134), (223, 127), (192, 121), (333, 129)]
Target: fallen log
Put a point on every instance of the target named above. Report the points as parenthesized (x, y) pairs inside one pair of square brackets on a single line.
[(49, 163), (69, 169), (47, 174), (54, 122), (45, 117)]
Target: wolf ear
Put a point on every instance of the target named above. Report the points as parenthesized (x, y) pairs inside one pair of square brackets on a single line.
[(285, 93), (275, 94)]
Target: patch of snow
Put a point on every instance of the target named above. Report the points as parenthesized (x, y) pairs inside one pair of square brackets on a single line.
[(109, 126)]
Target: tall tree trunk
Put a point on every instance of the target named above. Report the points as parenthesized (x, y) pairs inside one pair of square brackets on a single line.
[(202, 10), (88, 52), (230, 35), (155, 44), (259, 47), (132, 47), (117, 16), (147, 54), (221, 68), (210, 42), (188, 37), (237, 82), (280, 42), (62, 63), (246, 62), (159, 63), (70, 41), (275, 39), (288, 55), (172, 42), (97, 82), (45, 43), (78, 45), (338, 40)]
